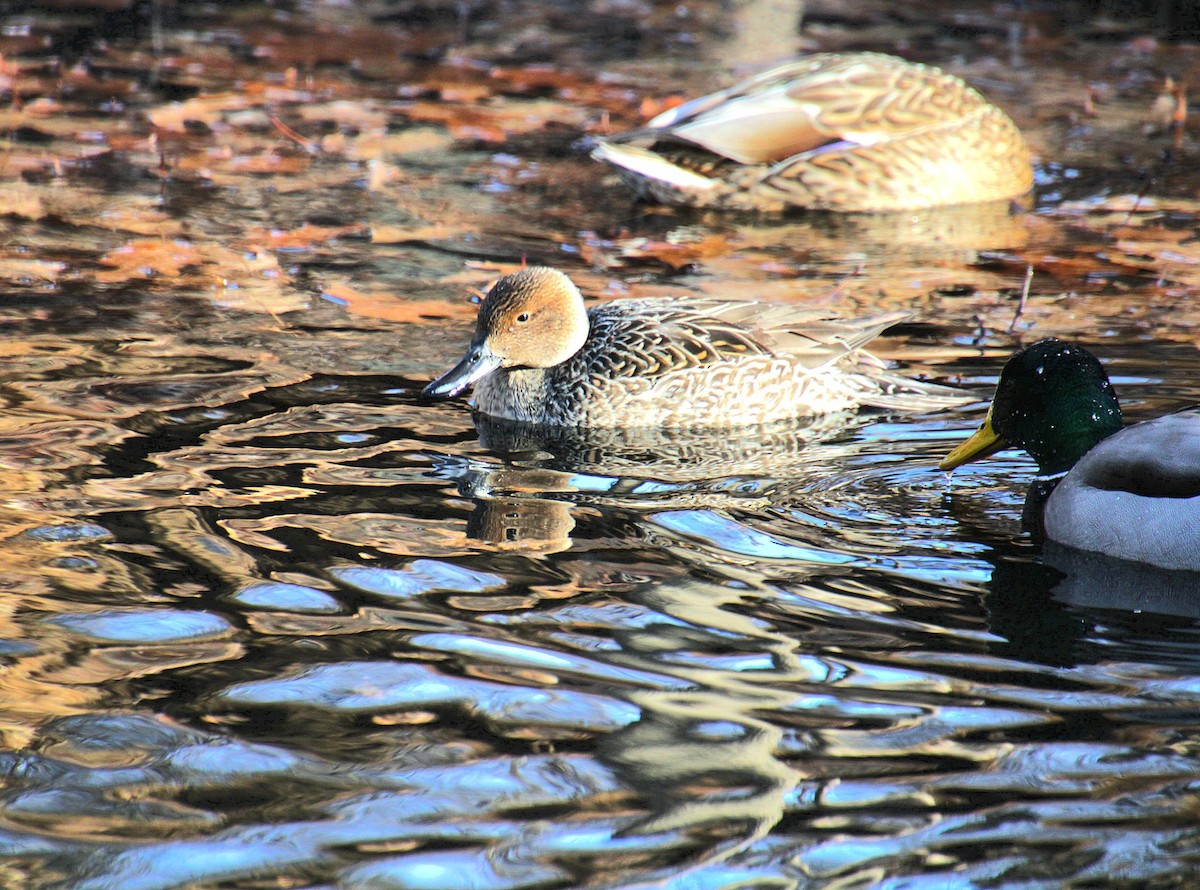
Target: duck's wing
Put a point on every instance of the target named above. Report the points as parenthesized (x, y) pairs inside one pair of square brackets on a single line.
[(832, 347), (646, 338), (813, 337), (824, 100), (653, 337)]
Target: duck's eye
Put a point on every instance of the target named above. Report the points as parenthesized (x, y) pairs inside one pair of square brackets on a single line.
[(523, 317)]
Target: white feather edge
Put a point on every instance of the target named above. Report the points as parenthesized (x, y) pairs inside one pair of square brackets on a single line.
[(651, 166)]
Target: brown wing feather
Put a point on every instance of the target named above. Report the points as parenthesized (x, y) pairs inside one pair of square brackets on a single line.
[(805, 105), (656, 337)]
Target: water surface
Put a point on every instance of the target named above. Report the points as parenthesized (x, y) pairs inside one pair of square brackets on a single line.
[(271, 619)]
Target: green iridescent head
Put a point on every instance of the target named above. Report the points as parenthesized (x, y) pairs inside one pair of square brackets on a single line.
[(1054, 401)]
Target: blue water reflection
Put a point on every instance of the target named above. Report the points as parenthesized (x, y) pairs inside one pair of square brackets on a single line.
[(271, 619)]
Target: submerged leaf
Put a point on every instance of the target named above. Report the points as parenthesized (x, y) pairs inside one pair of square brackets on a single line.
[(393, 308), (148, 258)]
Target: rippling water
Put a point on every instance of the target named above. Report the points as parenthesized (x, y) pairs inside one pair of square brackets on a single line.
[(270, 619), (316, 628)]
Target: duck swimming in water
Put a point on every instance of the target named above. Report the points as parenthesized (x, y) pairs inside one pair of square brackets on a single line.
[(831, 131), (539, 356), (1130, 492)]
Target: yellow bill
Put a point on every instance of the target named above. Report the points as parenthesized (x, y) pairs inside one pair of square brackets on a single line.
[(983, 442)]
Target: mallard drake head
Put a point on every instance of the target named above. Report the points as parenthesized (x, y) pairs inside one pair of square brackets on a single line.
[(1054, 401), (534, 318)]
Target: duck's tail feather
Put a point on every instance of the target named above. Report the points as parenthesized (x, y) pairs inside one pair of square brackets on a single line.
[(895, 393), (647, 165)]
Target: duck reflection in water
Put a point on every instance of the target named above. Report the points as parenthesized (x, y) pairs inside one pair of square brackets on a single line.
[(527, 497), (1072, 607)]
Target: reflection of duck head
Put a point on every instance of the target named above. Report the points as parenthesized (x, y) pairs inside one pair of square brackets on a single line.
[(511, 510), (529, 525)]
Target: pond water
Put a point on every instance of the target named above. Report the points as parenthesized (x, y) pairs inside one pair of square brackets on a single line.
[(271, 619)]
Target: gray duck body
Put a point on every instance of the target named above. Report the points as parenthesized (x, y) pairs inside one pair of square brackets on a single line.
[(670, 362), (680, 363)]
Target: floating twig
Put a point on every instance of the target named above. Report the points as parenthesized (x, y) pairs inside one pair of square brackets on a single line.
[(1024, 297)]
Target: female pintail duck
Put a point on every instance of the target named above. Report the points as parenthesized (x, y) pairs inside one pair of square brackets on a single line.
[(539, 356), (853, 132), (1131, 493)]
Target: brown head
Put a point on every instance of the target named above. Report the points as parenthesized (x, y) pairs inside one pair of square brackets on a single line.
[(534, 318)]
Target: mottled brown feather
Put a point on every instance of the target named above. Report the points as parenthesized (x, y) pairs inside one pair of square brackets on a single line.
[(860, 131)]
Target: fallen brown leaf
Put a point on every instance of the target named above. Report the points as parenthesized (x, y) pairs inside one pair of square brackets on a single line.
[(304, 237), (148, 258), (389, 307), (388, 234), (343, 113), (498, 119), (175, 116), (23, 269)]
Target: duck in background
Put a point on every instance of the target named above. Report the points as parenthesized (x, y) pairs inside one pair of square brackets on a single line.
[(539, 356), (1127, 492), (849, 132)]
